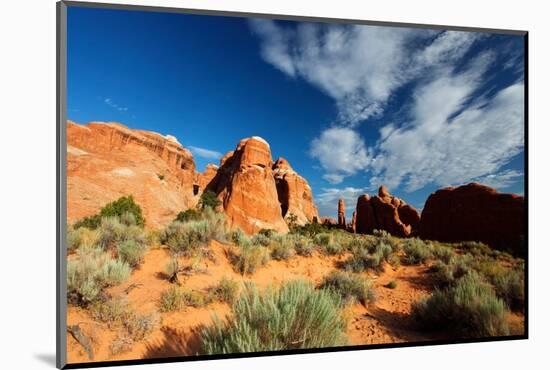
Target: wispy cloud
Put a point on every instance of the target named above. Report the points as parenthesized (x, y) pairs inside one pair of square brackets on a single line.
[(327, 200), (205, 153), (454, 131), (114, 105), (341, 152)]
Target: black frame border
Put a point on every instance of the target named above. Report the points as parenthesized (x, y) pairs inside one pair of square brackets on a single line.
[(61, 186)]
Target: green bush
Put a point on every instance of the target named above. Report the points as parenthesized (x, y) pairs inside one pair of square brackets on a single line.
[(391, 285), (140, 325), (81, 238), (293, 316), (185, 238), (90, 272), (89, 222), (468, 309), (238, 237), (261, 239), (446, 274), (267, 232), (226, 290), (349, 287), (443, 253), (122, 206), (416, 251), (282, 249), (250, 258), (304, 247), (310, 230), (210, 200), (188, 215), (323, 239), (368, 256), (171, 299), (131, 252)]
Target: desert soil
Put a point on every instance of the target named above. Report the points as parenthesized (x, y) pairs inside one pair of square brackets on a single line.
[(387, 320)]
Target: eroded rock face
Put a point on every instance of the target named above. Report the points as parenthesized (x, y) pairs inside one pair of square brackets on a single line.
[(294, 193), (385, 212), (108, 160), (246, 185), (475, 212), (341, 213)]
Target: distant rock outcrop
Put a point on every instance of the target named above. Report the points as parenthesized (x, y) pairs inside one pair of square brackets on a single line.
[(246, 185), (385, 212), (108, 160), (341, 213), (475, 212), (294, 193)]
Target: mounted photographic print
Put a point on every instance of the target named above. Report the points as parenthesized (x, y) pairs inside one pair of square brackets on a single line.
[(237, 184)]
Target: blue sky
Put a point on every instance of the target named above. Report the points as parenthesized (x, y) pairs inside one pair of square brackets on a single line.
[(351, 107)]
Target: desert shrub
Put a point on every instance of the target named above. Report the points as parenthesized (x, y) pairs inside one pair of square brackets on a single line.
[(323, 239), (121, 206), (250, 258), (293, 316), (131, 252), (349, 287), (210, 200), (261, 239), (282, 249), (475, 248), (171, 299), (112, 311), (332, 249), (113, 232), (509, 283), (368, 256), (310, 230), (172, 267), (140, 325), (188, 215), (267, 232), (385, 238), (468, 309), (226, 290), (238, 237), (90, 273), (81, 237), (89, 222), (391, 285), (443, 253), (121, 344), (194, 298), (416, 251), (184, 238), (304, 247), (215, 224), (394, 260)]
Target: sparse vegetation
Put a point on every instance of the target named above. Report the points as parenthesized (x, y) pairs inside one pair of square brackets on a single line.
[(416, 251), (349, 287), (293, 316), (468, 309), (249, 258), (226, 290), (392, 284), (304, 247), (171, 299), (81, 237), (92, 271), (282, 249), (131, 252), (188, 215), (210, 200)]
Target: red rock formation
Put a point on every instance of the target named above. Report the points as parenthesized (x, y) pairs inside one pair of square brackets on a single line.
[(351, 227), (385, 212), (108, 160), (341, 213), (294, 193), (246, 185), (475, 212), (203, 179)]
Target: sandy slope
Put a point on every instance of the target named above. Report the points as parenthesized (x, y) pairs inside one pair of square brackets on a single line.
[(385, 321)]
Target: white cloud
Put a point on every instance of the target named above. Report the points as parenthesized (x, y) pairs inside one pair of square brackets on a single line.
[(359, 66), (341, 152), (443, 149), (501, 180), (113, 105), (327, 200), (205, 153)]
